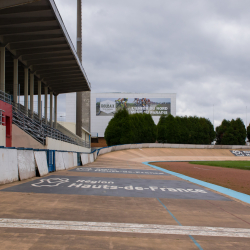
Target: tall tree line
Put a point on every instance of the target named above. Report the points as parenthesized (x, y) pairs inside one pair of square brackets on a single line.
[(125, 128), (185, 130)]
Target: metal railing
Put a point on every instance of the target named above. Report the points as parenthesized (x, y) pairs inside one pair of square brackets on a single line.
[(5, 97), (2, 117), (27, 124), (78, 140), (39, 129)]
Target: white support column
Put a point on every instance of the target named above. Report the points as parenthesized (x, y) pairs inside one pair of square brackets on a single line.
[(55, 111), (26, 86), (51, 109), (2, 69), (39, 99), (46, 104), (32, 92), (15, 81)]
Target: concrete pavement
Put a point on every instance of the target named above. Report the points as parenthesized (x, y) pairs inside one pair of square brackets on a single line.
[(164, 212)]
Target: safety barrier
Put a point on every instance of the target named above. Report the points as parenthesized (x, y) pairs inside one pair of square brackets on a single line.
[(41, 162), (24, 163), (8, 166), (106, 150), (59, 161)]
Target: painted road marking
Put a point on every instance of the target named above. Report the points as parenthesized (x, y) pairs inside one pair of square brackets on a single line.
[(119, 171), (190, 236), (125, 228), (171, 189), (240, 153)]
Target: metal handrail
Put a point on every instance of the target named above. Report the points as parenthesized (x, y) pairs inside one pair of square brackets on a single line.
[(2, 117), (28, 125), (5, 97), (78, 140)]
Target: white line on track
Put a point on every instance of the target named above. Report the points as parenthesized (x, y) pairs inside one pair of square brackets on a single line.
[(125, 228)]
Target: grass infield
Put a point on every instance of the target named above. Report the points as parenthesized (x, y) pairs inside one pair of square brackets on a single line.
[(225, 164)]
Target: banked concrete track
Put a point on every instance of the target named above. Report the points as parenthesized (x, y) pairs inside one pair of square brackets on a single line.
[(118, 202)]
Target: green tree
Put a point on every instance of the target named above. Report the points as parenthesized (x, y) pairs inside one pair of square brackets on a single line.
[(120, 129), (231, 132), (185, 130), (220, 130), (137, 122), (149, 132), (172, 131), (161, 138)]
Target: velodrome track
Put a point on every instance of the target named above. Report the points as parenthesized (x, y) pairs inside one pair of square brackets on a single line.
[(118, 202)]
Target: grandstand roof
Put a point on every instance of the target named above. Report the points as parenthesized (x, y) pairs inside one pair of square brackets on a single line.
[(33, 32)]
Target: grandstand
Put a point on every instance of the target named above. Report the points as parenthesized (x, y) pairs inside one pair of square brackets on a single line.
[(37, 57)]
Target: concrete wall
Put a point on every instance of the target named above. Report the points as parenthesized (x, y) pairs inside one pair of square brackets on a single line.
[(20, 139), (71, 126), (53, 144), (2, 135), (168, 145), (86, 112)]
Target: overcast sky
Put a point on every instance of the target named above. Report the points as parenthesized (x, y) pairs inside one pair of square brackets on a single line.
[(198, 49)]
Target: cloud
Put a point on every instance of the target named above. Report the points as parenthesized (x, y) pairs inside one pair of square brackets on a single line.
[(198, 49)]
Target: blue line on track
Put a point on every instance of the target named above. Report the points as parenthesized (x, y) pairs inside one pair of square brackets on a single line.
[(191, 237), (169, 212), (226, 191)]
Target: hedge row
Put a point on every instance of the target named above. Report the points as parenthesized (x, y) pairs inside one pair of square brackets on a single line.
[(185, 130), (124, 128)]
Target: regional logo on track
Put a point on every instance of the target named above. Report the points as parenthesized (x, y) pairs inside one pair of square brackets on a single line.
[(119, 187)]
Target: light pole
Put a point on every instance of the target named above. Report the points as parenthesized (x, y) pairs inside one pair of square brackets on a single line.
[(213, 115), (246, 116)]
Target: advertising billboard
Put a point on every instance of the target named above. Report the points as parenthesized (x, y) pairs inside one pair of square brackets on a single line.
[(154, 106)]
